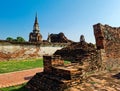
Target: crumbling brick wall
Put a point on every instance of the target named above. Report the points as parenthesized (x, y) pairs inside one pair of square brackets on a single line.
[(108, 41), (27, 50)]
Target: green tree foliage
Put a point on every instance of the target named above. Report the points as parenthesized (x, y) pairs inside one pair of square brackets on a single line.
[(9, 39), (18, 39)]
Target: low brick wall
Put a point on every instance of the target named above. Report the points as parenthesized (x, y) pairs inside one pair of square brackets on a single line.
[(18, 51)]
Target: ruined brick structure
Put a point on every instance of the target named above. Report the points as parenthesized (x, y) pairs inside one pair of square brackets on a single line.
[(35, 36), (56, 76), (59, 77), (76, 49), (58, 38), (108, 43), (81, 52)]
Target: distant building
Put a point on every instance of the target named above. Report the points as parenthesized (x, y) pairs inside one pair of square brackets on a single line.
[(35, 36)]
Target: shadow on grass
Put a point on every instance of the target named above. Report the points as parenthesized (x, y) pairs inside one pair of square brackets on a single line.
[(20, 89), (15, 88)]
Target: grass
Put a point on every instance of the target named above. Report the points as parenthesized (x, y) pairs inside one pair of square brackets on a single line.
[(10, 66), (66, 62), (15, 88)]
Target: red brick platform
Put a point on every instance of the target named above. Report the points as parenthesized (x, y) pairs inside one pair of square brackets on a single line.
[(16, 78)]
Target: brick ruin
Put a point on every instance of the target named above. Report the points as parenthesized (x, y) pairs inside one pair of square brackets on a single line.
[(106, 53), (108, 43), (56, 76), (60, 77), (58, 38), (81, 52)]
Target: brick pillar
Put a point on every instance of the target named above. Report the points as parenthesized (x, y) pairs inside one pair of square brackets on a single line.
[(99, 36), (47, 63), (50, 61)]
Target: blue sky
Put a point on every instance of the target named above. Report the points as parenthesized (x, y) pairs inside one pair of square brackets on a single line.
[(72, 17)]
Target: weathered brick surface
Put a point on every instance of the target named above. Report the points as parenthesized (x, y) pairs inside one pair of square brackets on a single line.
[(56, 76), (45, 82), (50, 61), (19, 51), (58, 38), (108, 40), (83, 53), (76, 49)]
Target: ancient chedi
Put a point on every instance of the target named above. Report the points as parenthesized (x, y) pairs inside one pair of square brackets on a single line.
[(35, 36)]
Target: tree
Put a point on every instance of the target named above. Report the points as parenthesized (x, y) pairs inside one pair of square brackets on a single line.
[(20, 39), (9, 39)]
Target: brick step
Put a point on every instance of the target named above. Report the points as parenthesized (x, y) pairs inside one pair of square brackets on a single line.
[(66, 73), (50, 82)]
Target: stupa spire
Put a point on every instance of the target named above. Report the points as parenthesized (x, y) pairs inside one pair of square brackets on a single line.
[(36, 19), (36, 25)]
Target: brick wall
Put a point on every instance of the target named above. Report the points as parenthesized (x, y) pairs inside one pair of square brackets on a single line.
[(19, 51), (108, 41)]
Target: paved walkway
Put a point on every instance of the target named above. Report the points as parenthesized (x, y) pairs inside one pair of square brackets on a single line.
[(16, 78)]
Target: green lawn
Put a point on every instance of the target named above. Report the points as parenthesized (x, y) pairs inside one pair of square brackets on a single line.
[(15, 88), (10, 66)]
